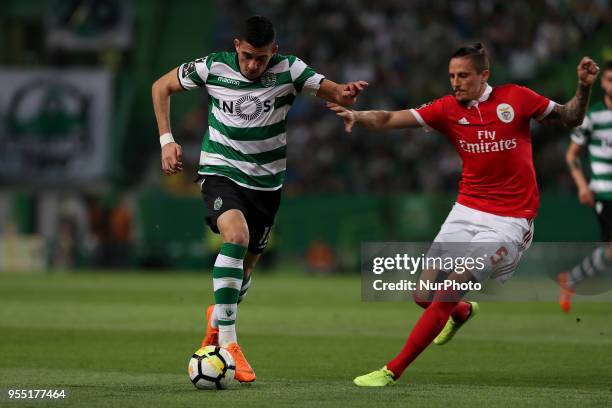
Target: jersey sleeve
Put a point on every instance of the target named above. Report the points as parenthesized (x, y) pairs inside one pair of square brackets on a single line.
[(194, 74), (582, 133), (303, 77), (431, 115), (535, 105)]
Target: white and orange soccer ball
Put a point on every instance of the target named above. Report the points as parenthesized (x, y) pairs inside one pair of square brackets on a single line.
[(211, 367)]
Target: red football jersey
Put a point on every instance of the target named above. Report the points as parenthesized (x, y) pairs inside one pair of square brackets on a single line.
[(493, 138)]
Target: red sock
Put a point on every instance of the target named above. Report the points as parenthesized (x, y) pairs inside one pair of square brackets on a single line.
[(429, 325), (461, 312)]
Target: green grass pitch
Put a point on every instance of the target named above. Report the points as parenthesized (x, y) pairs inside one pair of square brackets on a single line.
[(124, 339)]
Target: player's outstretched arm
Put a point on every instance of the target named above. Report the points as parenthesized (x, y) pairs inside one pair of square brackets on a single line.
[(572, 157), (341, 94), (171, 155), (572, 113), (375, 119)]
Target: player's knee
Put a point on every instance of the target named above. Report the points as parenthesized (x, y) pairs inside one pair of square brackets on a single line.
[(423, 303), (238, 238), (422, 298)]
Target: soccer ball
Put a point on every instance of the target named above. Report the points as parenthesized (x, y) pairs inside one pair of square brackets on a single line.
[(211, 367)]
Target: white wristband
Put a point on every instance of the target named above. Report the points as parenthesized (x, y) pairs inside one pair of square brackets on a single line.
[(165, 139)]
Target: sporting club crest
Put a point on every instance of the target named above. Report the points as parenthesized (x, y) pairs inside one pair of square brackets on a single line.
[(218, 204), (268, 79)]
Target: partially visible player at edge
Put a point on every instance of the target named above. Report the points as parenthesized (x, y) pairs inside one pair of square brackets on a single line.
[(243, 158), (498, 196), (595, 133)]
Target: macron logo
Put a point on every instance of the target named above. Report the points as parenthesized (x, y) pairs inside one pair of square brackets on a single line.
[(229, 81), (463, 121)]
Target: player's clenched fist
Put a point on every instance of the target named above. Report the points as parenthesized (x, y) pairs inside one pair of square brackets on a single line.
[(587, 71), (352, 90), (586, 196), (172, 158)]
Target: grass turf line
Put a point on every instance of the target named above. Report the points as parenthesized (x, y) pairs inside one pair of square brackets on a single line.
[(124, 340)]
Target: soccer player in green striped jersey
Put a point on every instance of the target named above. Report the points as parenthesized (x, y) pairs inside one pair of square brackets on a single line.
[(595, 134), (243, 155)]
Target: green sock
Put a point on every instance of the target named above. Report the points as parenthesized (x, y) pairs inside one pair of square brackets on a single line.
[(246, 284), (593, 264), (227, 281)]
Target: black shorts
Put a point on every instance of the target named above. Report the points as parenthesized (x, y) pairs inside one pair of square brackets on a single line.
[(603, 210), (259, 207)]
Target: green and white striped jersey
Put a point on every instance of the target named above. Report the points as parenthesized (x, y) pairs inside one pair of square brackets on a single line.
[(246, 139), (596, 133)]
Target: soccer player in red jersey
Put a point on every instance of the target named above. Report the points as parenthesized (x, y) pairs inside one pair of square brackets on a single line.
[(498, 194)]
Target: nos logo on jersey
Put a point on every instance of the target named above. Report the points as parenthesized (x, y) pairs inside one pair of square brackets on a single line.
[(248, 107)]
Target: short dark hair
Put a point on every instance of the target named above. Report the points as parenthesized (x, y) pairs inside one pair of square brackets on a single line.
[(607, 66), (476, 53), (258, 31)]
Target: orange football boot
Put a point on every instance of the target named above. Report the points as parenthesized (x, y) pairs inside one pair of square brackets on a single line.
[(244, 371), (565, 296), (212, 333)]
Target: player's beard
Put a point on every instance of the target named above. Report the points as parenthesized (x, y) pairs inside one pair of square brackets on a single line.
[(462, 101)]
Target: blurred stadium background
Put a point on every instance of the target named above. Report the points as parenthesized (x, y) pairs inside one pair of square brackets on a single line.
[(80, 181)]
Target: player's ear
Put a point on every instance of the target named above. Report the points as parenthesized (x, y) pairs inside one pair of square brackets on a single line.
[(485, 75), (275, 48), (236, 44)]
